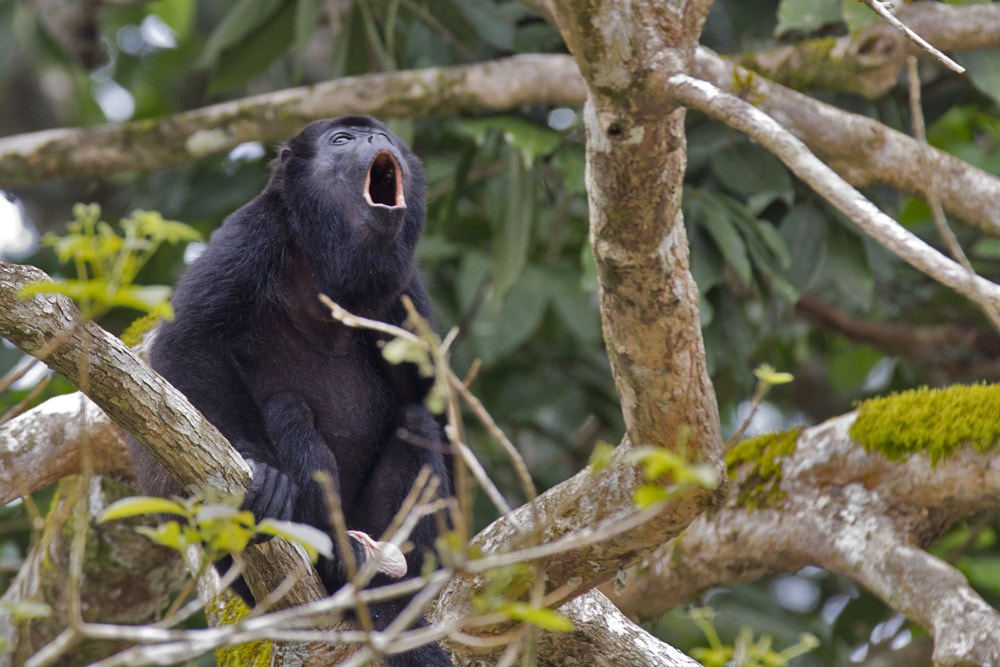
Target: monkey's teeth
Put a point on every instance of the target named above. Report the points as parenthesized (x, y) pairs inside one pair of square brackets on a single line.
[(393, 563)]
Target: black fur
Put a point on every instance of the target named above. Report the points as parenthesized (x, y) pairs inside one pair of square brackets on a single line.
[(293, 390)]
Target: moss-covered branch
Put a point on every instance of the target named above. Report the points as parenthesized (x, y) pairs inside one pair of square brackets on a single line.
[(842, 505)]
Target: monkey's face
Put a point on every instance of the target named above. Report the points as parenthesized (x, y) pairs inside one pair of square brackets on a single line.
[(355, 197), (361, 171)]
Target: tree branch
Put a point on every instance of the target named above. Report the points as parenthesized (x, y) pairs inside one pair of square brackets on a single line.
[(573, 508), (43, 445), (868, 62), (151, 144), (859, 148), (862, 150), (927, 345), (856, 514), (740, 115)]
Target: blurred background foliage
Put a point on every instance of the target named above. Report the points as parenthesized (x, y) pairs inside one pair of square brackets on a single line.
[(506, 247)]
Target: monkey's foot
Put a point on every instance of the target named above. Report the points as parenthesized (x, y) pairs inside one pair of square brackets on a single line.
[(393, 564)]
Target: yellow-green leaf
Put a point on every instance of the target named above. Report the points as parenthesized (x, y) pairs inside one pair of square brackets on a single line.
[(767, 373), (138, 505), (649, 494), (540, 616), (601, 457), (314, 541), (26, 610), (169, 534)]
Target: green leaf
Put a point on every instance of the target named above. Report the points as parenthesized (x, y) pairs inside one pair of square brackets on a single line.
[(249, 57), (499, 331), (983, 69), (850, 365), (138, 505), (716, 219), (857, 15), (511, 242), (177, 14), (531, 141), (649, 494), (575, 306), (228, 534), (26, 610), (242, 20), (847, 267), (601, 456), (306, 21), (539, 616), (207, 512), (400, 350), (806, 15), (481, 22), (151, 225), (140, 297), (767, 373), (804, 231), (170, 534), (314, 540), (753, 173)]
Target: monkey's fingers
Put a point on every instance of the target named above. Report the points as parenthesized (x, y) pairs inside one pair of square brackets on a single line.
[(271, 494)]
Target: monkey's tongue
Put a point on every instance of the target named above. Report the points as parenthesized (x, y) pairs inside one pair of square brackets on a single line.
[(384, 182), (393, 564)]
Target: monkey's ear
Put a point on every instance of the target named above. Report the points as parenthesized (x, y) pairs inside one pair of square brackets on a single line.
[(285, 154)]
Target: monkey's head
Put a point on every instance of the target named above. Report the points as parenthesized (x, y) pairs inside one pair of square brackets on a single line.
[(356, 194)]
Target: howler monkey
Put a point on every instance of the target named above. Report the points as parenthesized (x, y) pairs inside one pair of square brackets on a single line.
[(292, 389)]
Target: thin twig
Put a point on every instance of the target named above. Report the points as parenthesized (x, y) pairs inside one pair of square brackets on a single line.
[(701, 95), (879, 8), (933, 199)]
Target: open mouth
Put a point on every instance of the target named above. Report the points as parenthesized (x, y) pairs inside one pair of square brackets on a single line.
[(384, 182)]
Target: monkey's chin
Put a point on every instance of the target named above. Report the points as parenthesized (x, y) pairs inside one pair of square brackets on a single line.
[(385, 221), (392, 564)]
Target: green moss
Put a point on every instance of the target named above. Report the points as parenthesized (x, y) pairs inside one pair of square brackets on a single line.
[(229, 609), (762, 484), (931, 422)]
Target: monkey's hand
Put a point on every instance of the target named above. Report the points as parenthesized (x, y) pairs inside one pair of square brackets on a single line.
[(392, 562), (271, 494)]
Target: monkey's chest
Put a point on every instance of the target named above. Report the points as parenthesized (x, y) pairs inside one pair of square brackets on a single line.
[(354, 406)]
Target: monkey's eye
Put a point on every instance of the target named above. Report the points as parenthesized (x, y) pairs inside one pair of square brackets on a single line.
[(341, 138)]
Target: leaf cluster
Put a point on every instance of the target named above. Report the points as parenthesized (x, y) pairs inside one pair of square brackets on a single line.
[(220, 526), (107, 262)]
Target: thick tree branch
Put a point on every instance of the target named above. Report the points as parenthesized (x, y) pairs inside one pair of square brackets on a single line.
[(151, 144), (44, 445), (110, 374), (649, 302), (859, 148), (855, 514)]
